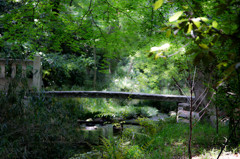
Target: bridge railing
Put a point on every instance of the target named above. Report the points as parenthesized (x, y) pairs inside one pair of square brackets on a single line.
[(34, 82)]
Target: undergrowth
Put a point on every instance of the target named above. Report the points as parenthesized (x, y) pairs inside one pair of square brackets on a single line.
[(162, 139), (33, 126)]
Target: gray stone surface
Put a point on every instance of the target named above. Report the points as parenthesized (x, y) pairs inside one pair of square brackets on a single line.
[(160, 116), (183, 116), (120, 95), (183, 104)]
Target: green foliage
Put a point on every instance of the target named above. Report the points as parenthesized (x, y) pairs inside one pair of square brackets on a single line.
[(68, 70), (149, 126), (212, 43), (158, 4), (207, 132), (113, 149), (147, 75), (66, 33), (135, 152), (175, 16), (167, 139), (118, 149), (37, 127), (228, 105), (204, 32), (49, 125), (109, 109)]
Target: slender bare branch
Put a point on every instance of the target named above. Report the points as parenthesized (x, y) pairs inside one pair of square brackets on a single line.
[(201, 101), (190, 123), (183, 92), (98, 28), (88, 11), (120, 10), (200, 96), (229, 138), (208, 103), (199, 119), (194, 75)]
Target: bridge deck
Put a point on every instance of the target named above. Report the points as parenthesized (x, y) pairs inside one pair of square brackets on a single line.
[(121, 95)]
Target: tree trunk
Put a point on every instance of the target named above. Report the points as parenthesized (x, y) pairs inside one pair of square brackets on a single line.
[(190, 125)]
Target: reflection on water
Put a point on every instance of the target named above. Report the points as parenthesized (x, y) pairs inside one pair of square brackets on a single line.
[(92, 134)]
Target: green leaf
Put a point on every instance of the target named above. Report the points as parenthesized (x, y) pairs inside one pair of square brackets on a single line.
[(175, 16), (157, 56), (222, 64), (185, 7), (204, 19), (196, 22), (204, 46), (214, 24), (158, 4), (168, 34), (190, 26), (164, 28)]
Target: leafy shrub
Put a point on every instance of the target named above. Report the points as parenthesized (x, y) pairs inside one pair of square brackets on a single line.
[(135, 152)]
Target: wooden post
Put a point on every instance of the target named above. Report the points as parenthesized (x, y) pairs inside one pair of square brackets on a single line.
[(37, 72), (2, 75), (14, 70)]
